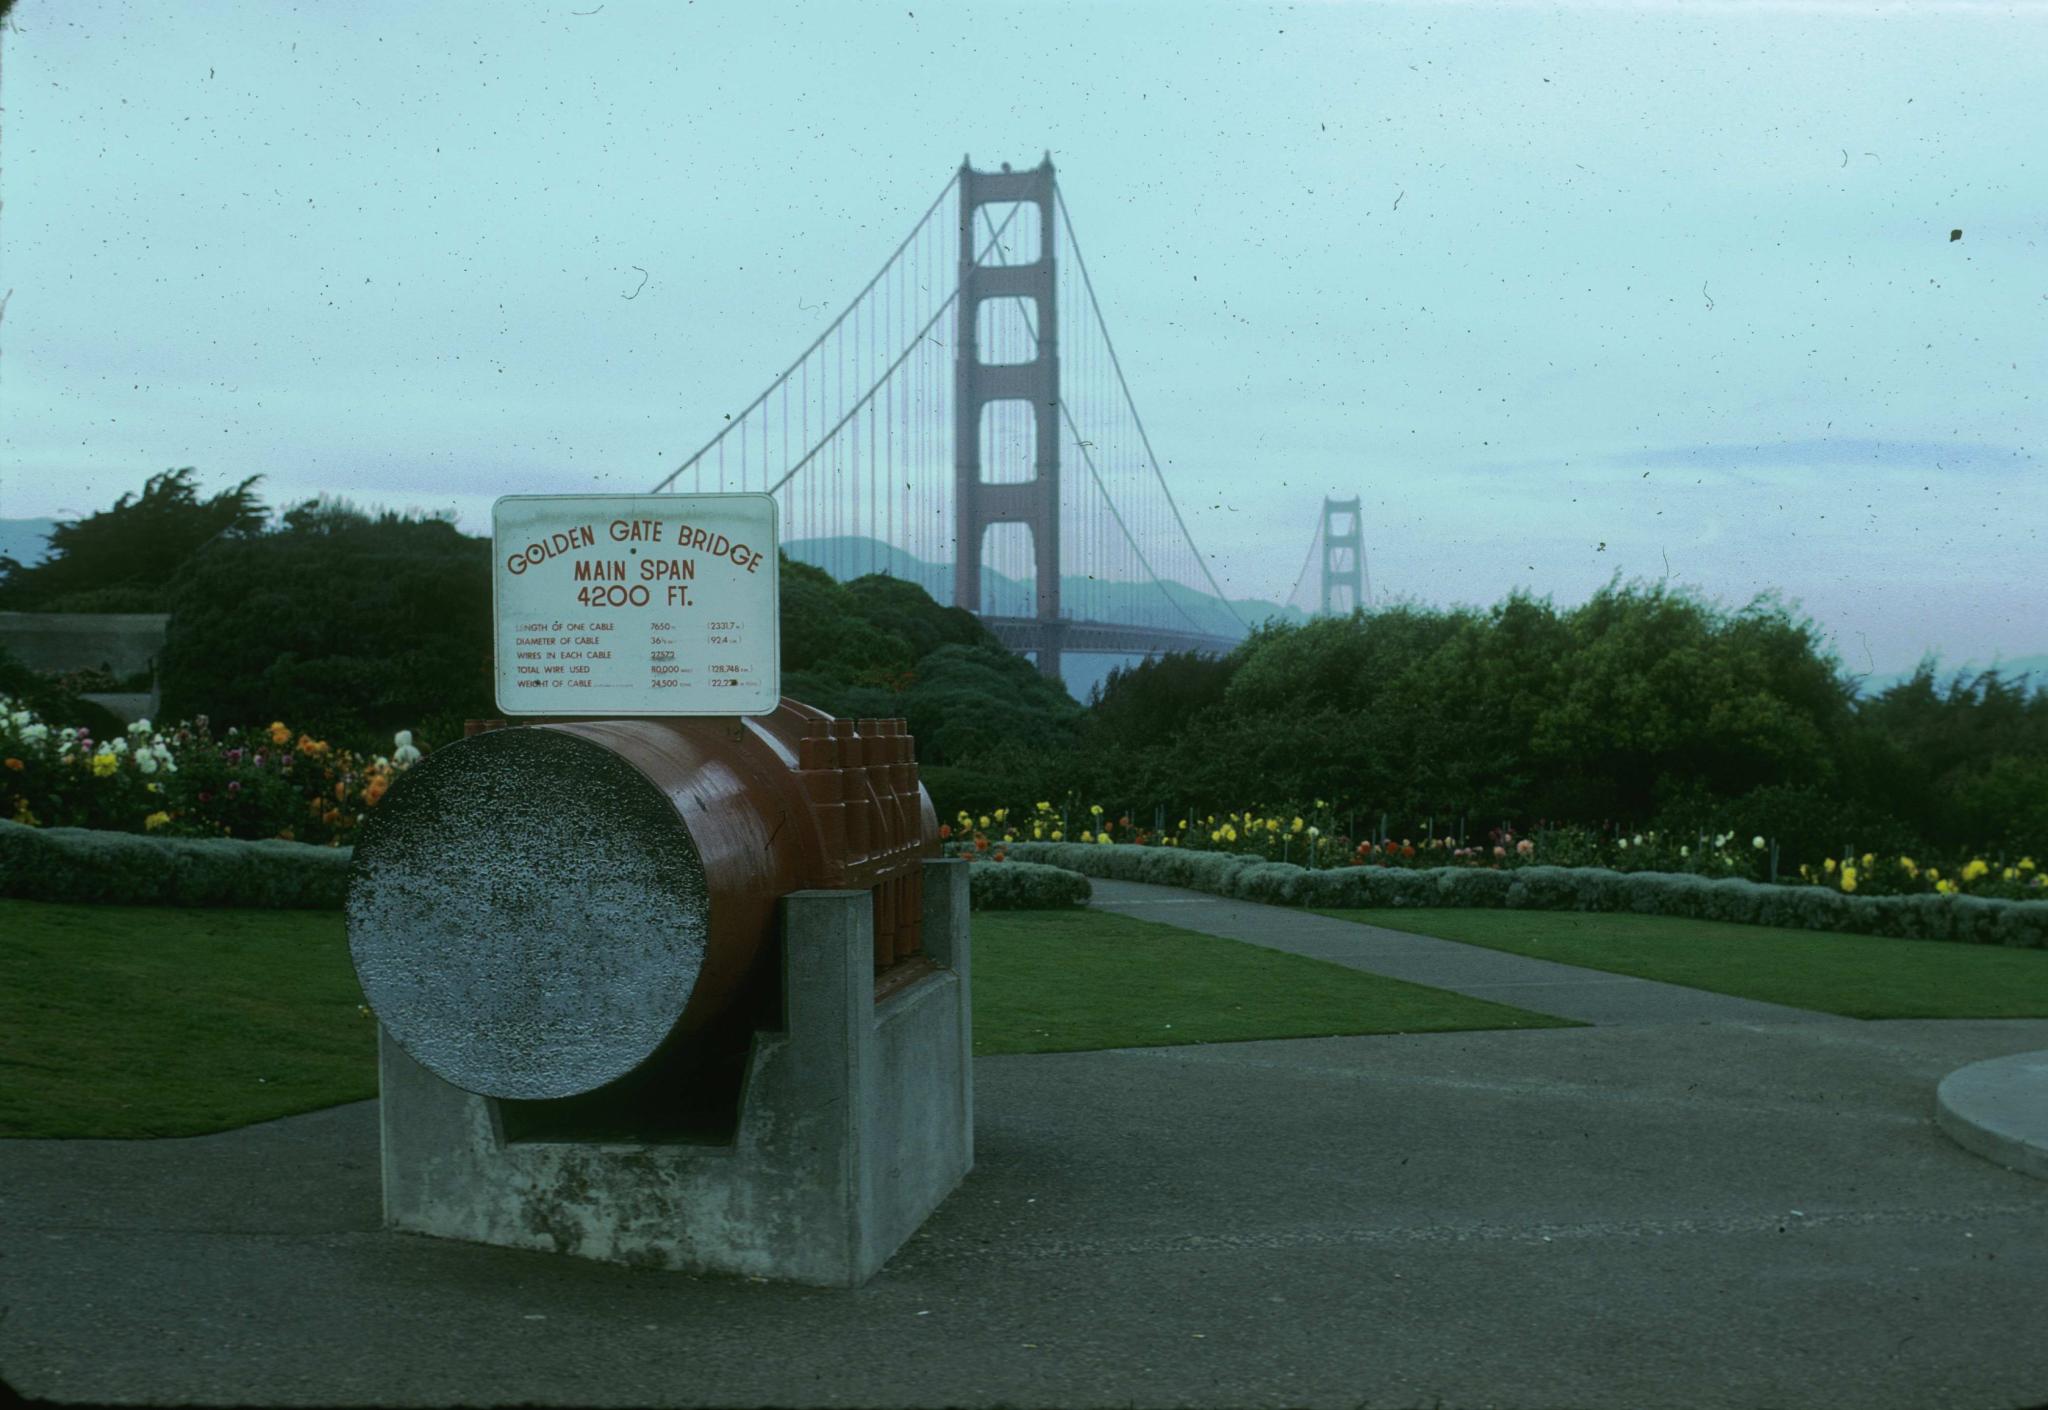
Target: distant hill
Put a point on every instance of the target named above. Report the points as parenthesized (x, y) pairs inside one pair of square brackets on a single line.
[(25, 540), (852, 556)]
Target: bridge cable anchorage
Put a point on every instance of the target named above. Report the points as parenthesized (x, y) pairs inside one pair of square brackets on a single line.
[(1068, 221), (868, 395), (1081, 444), (819, 341)]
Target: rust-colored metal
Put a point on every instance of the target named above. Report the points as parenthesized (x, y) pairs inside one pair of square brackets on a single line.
[(782, 802)]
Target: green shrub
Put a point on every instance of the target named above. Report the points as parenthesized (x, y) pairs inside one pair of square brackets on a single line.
[(1967, 919), (1025, 886), (78, 864)]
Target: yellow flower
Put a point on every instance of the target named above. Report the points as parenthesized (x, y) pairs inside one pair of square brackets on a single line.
[(1831, 864), (1086, 835), (1038, 831), (1103, 840), (1946, 888), (1912, 867), (155, 820), (1183, 824), (1848, 878), (1294, 826), (1976, 867), (1096, 809), (1866, 861), (1321, 804), (1057, 834), (983, 821), (1045, 807), (2008, 874), (1002, 813), (278, 733), (1934, 875), (23, 816), (105, 765), (2026, 863)]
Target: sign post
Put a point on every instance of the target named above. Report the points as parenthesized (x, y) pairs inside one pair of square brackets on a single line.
[(636, 604)]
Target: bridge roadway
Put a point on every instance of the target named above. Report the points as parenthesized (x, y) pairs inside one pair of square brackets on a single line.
[(1031, 634)]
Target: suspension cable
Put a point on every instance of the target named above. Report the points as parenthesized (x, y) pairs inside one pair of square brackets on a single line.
[(868, 396), (1089, 284), (817, 342)]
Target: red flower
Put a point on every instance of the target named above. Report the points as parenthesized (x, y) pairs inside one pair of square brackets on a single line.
[(945, 831), (980, 843)]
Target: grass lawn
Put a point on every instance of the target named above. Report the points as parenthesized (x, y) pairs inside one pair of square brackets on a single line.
[(1859, 976), (159, 1021), (123, 1021), (1062, 981)]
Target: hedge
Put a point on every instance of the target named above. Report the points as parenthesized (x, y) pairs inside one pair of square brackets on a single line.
[(1024, 886), (132, 869), (1967, 919)]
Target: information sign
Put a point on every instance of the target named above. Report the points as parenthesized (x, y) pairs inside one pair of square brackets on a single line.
[(636, 604)]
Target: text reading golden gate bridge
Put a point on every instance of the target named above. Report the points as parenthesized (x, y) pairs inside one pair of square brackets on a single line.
[(965, 424)]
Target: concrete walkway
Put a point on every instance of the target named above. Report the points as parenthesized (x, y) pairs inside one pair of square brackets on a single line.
[(1545, 986), (1693, 1215)]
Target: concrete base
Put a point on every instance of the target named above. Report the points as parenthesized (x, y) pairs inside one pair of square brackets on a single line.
[(855, 1123)]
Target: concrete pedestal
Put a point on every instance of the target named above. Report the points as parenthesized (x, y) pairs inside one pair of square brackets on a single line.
[(855, 1123)]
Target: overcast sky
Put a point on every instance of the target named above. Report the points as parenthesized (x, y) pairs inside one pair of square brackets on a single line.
[(1561, 290)]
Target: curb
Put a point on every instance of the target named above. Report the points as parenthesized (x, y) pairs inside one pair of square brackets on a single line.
[(1999, 1109)]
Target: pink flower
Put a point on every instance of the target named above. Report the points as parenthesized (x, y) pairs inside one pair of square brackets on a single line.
[(1526, 847), (1500, 851)]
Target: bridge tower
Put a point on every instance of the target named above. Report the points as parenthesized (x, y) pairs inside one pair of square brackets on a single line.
[(1034, 502), (1343, 557)]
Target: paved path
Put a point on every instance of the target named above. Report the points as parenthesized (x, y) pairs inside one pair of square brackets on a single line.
[(1692, 1215), (1568, 991)]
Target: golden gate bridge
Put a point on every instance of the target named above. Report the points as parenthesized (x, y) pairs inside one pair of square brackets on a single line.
[(965, 424)]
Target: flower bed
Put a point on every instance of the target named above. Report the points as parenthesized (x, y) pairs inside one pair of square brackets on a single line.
[(185, 782), (1314, 842)]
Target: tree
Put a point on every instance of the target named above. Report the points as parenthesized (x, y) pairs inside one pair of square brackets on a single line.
[(338, 624), (123, 559)]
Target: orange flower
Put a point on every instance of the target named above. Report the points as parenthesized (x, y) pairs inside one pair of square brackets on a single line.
[(278, 733), (16, 765), (375, 790)]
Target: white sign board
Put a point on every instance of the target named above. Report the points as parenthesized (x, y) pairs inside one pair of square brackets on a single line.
[(636, 604)]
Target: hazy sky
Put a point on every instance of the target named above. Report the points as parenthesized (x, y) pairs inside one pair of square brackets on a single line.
[(1665, 285)]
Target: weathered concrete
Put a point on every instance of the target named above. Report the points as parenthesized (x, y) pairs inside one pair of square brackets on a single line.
[(856, 1121), (1544, 986), (1691, 1216), (1999, 1109)]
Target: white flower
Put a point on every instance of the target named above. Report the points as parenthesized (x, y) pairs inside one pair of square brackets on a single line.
[(1757, 842), (118, 746), (1639, 839), (405, 754), (20, 718), (139, 727), (145, 761), (1685, 851), (1621, 842), (35, 733)]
